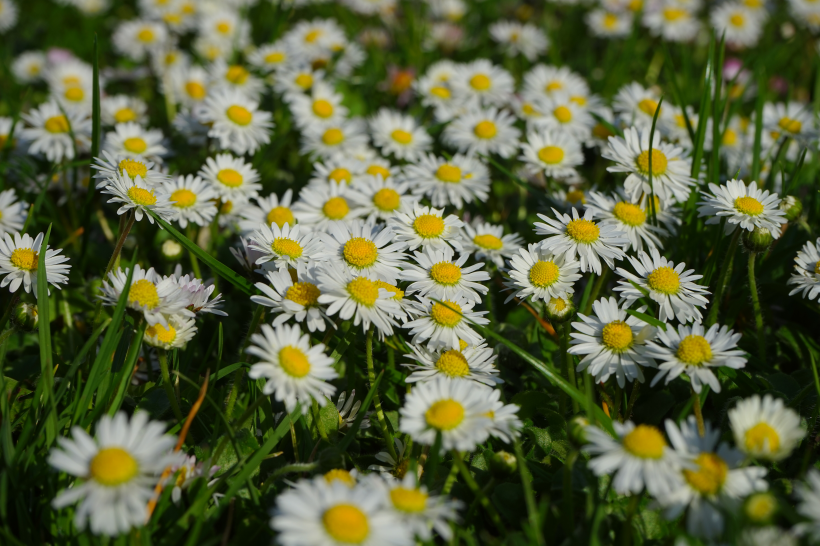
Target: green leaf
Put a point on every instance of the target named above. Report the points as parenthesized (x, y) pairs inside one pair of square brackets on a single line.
[(647, 319)]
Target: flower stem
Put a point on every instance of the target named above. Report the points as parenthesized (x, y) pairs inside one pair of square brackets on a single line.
[(725, 270), (166, 384), (569, 365), (485, 502), (377, 402), (626, 535), (120, 241), (599, 283), (761, 334), (698, 411)]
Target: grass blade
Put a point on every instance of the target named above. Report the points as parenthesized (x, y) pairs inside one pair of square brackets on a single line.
[(652, 209), (44, 338), (649, 319), (354, 428)]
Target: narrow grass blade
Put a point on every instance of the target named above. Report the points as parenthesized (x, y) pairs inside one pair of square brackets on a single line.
[(652, 321), (795, 172), (697, 153), (759, 101), (354, 428), (78, 359), (652, 209), (44, 338)]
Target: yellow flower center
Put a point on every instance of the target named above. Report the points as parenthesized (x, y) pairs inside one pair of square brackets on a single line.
[(312, 36), (71, 81), (729, 137), (449, 173), (790, 125), (184, 198), (440, 91), (480, 82), (562, 114), (402, 137), (397, 293), (74, 94), (446, 314), (648, 106), (237, 75), (294, 361), (407, 500), (428, 226), (558, 304), (554, 85), (617, 336), (124, 115), (146, 35), (544, 274), (664, 280), (113, 466), (135, 145), (223, 27), (378, 170), (462, 345), (673, 14), (274, 57), (333, 137), (583, 231), (579, 100), (749, 206), (645, 441), (346, 523), (341, 475), (143, 293), (322, 108), (602, 131), (335, 208), (142, 197), (25, 258), (694, 350), (195, 90), (363, 291), (285, 246), (659, 162), (340, 174), (529, 110), (57, 124), (230, 178), (760, 436), (280, 216), (360, 252), (226, 207), (158, 331), (576, 196), (737, 19), (761, 506), (485, 129), (551, 155), (629, 213), (445, 273), (817, 268), (453, 364), (490, 242), (386, 199), (610, 20), (710, 475), (239, 115), (304, 80), (445, 414), (303, 293)]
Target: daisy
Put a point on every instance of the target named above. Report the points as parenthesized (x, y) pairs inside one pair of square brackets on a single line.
[(792, 119), (538, 274), (322, 513), (8, 15), (671, 21), (155, 298), (373, 165), (741, 26), (226, 26), (694, 351), (488, 242), (742, 205), (418, 510), (338, 138), (636, 105), (765, 428), (444, 324), (807, 269), (285, 247), (483, 131), (471, 364), (580, 236), (122, 109), (440, 276), (267, 210), (19, 257), (437, 94), (231, 177), (296, 79), (458, 410), (348, 411), (321, 106), (137, 38), (271, 57), (670, 167), (13, 213), (135, 194), (455, 181), (136, 142), (296, 372), (50, 132), (528, 40), (377, 198), (179, 332), (426, 226), (665, 283), (297, 299), (236, 121), (28, 66), (638, 456), (482, 80), (628, 217), (554, 153), (505, 422), (714, 483), (318, 207), (335, 170), (364, 249), (192, 85), (360, 298), (609, 24), (563, 114), (234, 77), (192, 200), (809, 496), (109, 166), (185, 473), (399, 135), (120, 467), (198, 294)]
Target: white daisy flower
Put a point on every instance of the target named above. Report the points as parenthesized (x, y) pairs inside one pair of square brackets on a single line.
[(440, 276), (120, 468), (638, 456), (267, 210), (670, 167), (155, 298), (628, 217), (554, 153), (807, 270), (398, 134), (794, 119), (364, 249), (134, 193), (635, 106), (444, 324), (192, 85), (50, 130), (420, 511), (13, 213), (505, 422), (19, 257), (116, 109), (581, 236), (137, 38), (335, 170), (237, 122), (110, 166), (426, 226), (564, 114), (741, 26), (318, 207), (234, 77), (437, 94), (296, 372), (671, 21), (488, 242), (179, 332), (715, 482), (297, 299), (340, 138), (809, 504), (8, 15), (323, 105), (28, 67), (377, 198), (765, 428), (526, 39), (296, 79), (272, 57), (742, 205), (694, 351), (483, 131), (374, 165), (198, 294), (471, 364), (226, 26), (456, 181), (541, 275), (609, 24), (665, 283), (136, 142), (286, 246), (192, 200), (482, 80), (231, 177)]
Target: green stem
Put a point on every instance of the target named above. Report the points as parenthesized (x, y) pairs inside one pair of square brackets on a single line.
[(698, 411), (194, 260), (569, 365), (626, 535), (377, 402), (761, 334), (166, 384), (485, 502), (599, 283), (529, 494), (724, 275), (120, 241), (451, 478)]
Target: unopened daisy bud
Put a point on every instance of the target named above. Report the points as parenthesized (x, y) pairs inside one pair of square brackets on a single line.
[(758, 240), (760, 507), (171, 250), (792, 206), (560, 309), (25, 316), (577, 430), (503, 464)]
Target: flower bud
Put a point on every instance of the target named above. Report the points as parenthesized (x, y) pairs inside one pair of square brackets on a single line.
[(758, 240), (760, 507), (792, 207), (578, 430), (503, 464), (560, 309), (25, 316), (171, 250)]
